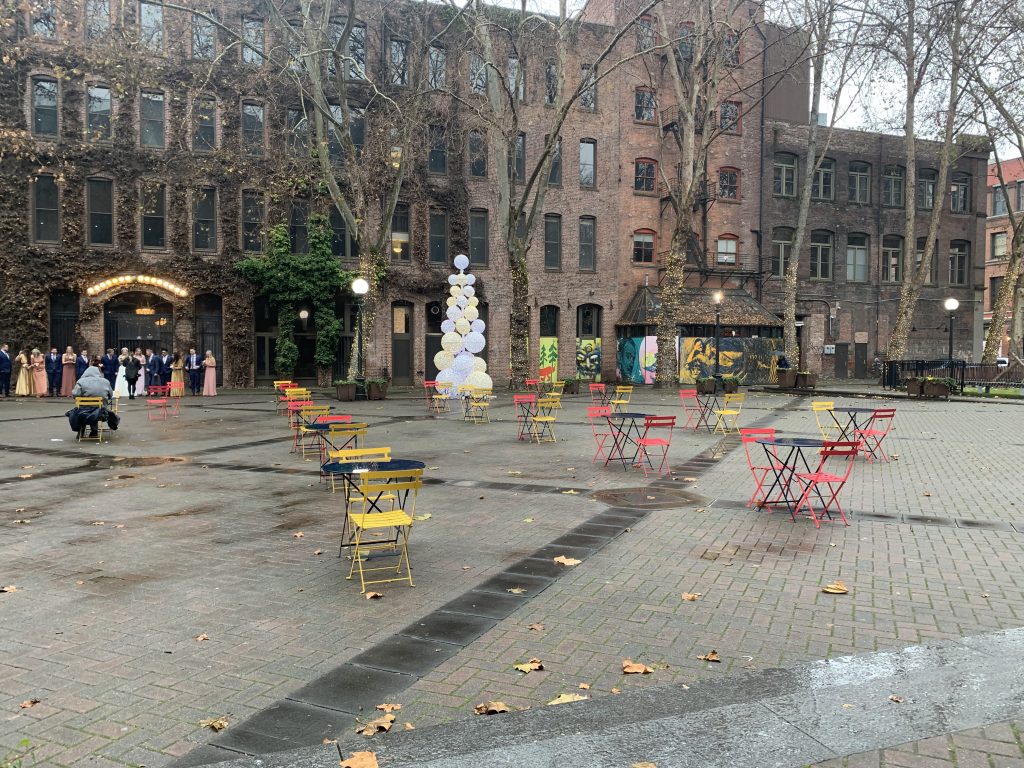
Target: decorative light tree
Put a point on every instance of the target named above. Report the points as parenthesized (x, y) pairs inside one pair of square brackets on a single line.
[(457, 363)]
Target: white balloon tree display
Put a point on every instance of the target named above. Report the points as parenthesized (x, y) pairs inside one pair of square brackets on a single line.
[(457, 362)]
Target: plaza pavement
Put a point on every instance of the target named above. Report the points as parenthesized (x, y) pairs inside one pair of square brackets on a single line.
[(189, 527)]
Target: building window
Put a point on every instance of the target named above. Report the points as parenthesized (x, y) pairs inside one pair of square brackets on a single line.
[(999, 201), (687, 35), (994, 284), (399, 60), (204, 125), (998, 250), (549, 320), (297, 128), (438, 245), (151, 25), (99, 203), (437, 67), (784, 175), (44, 19), (204, 38), (892, 259), (479, 236), (643, 105), (555, 174), (821, 255), (859, 182), (729, 117), (98, 106), (588, 240), (517, 161), (643, 246), (97, 20), (552, 241), (782, 250), (588, 163), (823, 184), (477, 154), (919, 257), (550, 82), (725, 249), (45, 204), (400, 232), (356, 51), (298, 228), (437, 160), (645, 174), (204, 219), (644, 33), (729, 184), (252, 221), (926, 182), (893, 180), (44, 106), (253, 43), (477, 73), (959, 262), (960, 193), (252, 127), (516, 78), (154, 215), (342, 244), (731, 48), (151, 119), (588, 91), (856, 258)]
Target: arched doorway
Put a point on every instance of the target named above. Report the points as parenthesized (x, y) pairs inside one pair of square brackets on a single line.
[(138, 319), (210, 330), (588, 341)]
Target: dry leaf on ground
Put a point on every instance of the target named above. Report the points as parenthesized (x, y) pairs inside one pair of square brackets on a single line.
[(835, 588), (691, 596), (514, 472), (896, 699), (424, 516), (318, 551), (710, 656), (381, 725), (29, 703), (214, 723), (409, 727), (584, 686), (9, 588), (537, 627), (644, 765), (99, 522), (516, 590), (329, 741), (527, 519), (373, 595), (571, 492), (21, 522), (360, 760), (491, 708), (533, 665), (563, 560), (298, 534), (24, 477), (202, 637), (566, 698), (616, 690), (630, 667), (985, 594), (389, 707)]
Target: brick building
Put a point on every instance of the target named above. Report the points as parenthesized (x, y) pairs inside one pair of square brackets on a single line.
[(999, 234)]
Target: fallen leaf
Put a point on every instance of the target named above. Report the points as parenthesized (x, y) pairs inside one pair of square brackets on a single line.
[(567, 561), (409, 727), (214, 723), (425, 516), (584, 686), (99, 522), (514, 472), (710, 656), (689, 479), (389, 707), (360, 760), (896, 699), (298, 534), (433, 467), (927, 493), (381, 725), (630, 667), (202, 637), (28, 704), (985, 594), (9, 588), (25, 477), (329, 741), (566, 698), (119, 525), (533, 665), (691, 596), (651, 498), (616, 690), (644, 765), (28, 466), (79, 583), (465, 567), (537, 627), (491, 708), (318, 551), (516, 590), (527, 519), (373, 595), (847, 706), (835, 588), (22, 522), (571, 492)]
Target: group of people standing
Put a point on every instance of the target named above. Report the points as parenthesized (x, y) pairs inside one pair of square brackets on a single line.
[(129, 374)]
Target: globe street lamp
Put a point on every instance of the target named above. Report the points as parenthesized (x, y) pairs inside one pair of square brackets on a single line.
[(717, 298), (360, 288), (951, 305)]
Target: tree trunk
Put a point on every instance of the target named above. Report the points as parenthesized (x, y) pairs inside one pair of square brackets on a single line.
[(519, 321), (1004, 299), (667, 374), (1013, 345)]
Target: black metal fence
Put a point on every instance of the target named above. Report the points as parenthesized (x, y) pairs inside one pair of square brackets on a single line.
[(895, 371)]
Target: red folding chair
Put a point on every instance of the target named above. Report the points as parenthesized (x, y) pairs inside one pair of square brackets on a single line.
[(597, 395), (598, 415), (650, 446), (691, 408), (833, 471), (871, 437), (757, 463), (533, 385), (157, 402), (526, 408)]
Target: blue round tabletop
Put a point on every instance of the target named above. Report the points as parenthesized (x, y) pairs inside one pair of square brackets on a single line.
[(628, 415), (325, 427), (354, 467), (794, 442), (854, 409)]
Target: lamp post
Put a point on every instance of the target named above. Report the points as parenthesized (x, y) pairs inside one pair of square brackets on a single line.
[(717, 298), (360, 288), (951, 305)]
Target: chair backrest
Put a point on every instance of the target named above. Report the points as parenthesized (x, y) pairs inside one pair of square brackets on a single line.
[(334, 418), (735, 398), (313, 412), (623, 390), (360, 454), (517, 399), (405, 485), (429, 383), (293, 405), (465, 390), (442, 386), (596, 387), (88, 402), (822, 405), (597, 415), (688, 397), (659, 422), (750, 436), (547, 401), (836, 452), (881, 419), (296, 393), (557, 387), (350, 428)]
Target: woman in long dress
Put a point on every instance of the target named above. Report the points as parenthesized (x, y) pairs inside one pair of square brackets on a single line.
[(24, 386), (140, 385), (177, 376), (39, 383), (67, 379), (121, 381), (210, 377)]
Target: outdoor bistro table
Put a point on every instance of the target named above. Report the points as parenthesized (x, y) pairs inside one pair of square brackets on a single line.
[(848, 433), (786, 467), (708, 406), (626, 432), (323, 429), (527, 410)]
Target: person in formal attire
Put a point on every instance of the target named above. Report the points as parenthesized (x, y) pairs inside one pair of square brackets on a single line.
[(67, 377), (165, 367), (153, 366), (108, 364), (24, 385), (39, 383), (6, 365), (194, 368), (210, 377), (121, 388), (140, 385), (132, 368), (54, 371), (177, 375), (81, 363)]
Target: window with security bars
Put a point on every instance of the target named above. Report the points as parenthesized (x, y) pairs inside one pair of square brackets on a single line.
[(729, 184)]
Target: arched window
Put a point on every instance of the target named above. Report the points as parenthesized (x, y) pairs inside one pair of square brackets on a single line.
[(782, 250), (892, 259), (643, 246), (645, 174), (784, 174), (549, 320), (726, 248), (729, 183)]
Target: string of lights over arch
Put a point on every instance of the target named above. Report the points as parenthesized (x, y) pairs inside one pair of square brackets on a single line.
[(120, 280)]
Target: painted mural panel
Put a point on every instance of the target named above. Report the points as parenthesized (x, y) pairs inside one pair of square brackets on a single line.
[(548, 363), (588, 359), (752, 361), (637, 359)]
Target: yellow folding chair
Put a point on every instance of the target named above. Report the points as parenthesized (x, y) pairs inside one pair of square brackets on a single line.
[(101, 427), (822, 410), (479, 406), (357, 454), (465, 393), (373, 486), (304, 436), (557, 388), (727, 422), (621, 398), (439, 401), (542, 426)]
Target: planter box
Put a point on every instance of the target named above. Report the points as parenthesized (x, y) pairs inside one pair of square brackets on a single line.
[(375, 391), (572, 387), (806, 380), (787, 378), (345, 391), (730, 386), (935, 389), (706, 387), (913, 387)]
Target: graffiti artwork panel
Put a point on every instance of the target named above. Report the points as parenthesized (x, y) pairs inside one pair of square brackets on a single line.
[(638, 359), (548, 363), (588, 359), (752, 361)]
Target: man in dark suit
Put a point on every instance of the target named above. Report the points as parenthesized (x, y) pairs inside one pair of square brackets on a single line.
[(109, 365), (194, 366), (81, 363), (153, 366), (165, 367), (54, 371), (5, 371)]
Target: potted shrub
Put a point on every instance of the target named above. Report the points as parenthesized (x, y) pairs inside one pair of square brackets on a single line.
[(730, 384), (806, 380), (787, 378), (705, 385), (572, 386), (345, 389), (913, 386), (934, 386), (376, 389)]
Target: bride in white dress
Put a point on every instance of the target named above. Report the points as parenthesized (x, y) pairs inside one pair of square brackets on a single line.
[(121, 383)]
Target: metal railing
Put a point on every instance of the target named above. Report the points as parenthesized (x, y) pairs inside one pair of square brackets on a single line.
[(896, 371)]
